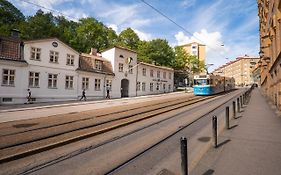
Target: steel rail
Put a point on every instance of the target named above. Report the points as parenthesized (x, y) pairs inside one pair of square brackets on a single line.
[(27, 149)]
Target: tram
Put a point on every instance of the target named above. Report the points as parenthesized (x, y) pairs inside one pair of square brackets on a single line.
[(209, 84)]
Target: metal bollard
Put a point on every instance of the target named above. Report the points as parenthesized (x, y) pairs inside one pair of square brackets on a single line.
[(238, 105), (241, 101), (215, 130), (234, 109), (227, 117), (184, 158)]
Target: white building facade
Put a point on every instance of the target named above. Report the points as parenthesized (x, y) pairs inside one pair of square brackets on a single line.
[(133, 78), (53, 71)]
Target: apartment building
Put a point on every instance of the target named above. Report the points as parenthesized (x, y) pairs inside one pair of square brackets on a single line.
[(240, 69), (269, 12), (196, 49)]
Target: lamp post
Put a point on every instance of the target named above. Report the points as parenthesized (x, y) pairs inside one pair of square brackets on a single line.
[(207, 66)]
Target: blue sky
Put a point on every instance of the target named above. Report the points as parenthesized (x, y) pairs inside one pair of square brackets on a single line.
[(233, 23)]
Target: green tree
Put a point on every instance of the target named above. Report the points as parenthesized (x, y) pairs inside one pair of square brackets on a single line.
[(41, 25), (10, 17), (181, 60), (128, 38), (157, 51), (92, 33)]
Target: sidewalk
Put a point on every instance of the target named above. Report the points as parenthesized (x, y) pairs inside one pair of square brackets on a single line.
[(251, 148)]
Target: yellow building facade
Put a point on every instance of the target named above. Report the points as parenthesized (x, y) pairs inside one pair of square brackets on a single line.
[(196, 49), (240, 69), (269, 12)]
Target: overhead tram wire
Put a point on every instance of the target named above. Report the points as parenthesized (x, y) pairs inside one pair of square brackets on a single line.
[(171, 20)]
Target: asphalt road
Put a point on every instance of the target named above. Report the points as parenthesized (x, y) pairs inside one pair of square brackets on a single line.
[(103, 155)]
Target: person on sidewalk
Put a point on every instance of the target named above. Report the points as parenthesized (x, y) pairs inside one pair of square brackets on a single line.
[(28, 96), (83, 95), (107, 92)]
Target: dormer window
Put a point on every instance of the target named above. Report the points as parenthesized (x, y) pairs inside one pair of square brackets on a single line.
[(98, 64), (121, 56)]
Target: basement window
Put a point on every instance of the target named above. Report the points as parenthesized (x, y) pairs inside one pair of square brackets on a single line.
[(7, 99)]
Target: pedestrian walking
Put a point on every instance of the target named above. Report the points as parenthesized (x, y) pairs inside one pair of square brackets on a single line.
[(107, 92), (83, 95), (28, 96)]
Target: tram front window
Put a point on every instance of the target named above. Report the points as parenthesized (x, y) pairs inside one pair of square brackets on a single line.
[(201, 82)]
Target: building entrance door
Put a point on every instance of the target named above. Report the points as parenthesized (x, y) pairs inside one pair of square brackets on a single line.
[(124, 88)]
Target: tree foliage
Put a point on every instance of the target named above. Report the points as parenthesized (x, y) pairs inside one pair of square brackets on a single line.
[(156, 51), (128, 38), (10, 17)]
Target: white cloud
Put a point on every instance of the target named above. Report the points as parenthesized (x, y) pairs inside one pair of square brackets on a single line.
[(73, 14), (114, 27), (188, 3), (143, 35)]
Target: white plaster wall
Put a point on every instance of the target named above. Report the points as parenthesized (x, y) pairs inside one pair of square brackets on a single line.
[(18, 92), (147, 79), (45, 67), (91, 93), (113, 55)]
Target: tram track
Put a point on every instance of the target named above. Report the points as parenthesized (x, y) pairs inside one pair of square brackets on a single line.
[(18, 149)]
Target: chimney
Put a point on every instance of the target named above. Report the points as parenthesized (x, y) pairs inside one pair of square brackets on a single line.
[(15, 33), (93, 51)]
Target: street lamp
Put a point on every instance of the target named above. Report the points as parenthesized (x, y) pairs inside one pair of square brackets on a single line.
[(207, 66)]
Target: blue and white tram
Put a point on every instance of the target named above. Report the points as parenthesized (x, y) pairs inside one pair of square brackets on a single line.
[(209, 84)]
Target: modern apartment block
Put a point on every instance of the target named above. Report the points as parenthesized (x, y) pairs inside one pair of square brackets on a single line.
[(269, 12), (196, 49), (240, 69)]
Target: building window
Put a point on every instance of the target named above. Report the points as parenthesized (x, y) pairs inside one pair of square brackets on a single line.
[(97, 84), (158, 74), (164, 75), (151, 86), (70, 60), (8, 78), (194, 47), (109, 84), (169, 87), (130, 69), (68, 82), (121, 56), (164, 87), (35, 53), (52, 80), (143, 86), (33, 79), (98, 64), (85, 83), (144, 71), (138, 86), (157, 86), (120, 67), (54, 56), (170, 75), (151, 73)]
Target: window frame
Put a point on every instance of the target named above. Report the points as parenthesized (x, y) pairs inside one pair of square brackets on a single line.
[(10, 77), (69, 82), (85, 83), (53, 56), (54, 81), (32, 79), (69, 59), (36, 52), (97, 84)]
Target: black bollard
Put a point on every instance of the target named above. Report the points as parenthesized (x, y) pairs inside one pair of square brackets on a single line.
[(234, 109), (215, 130), (184, 158), (227, 117)]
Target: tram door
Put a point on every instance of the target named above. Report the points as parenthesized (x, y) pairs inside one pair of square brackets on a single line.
[(124, 88)]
